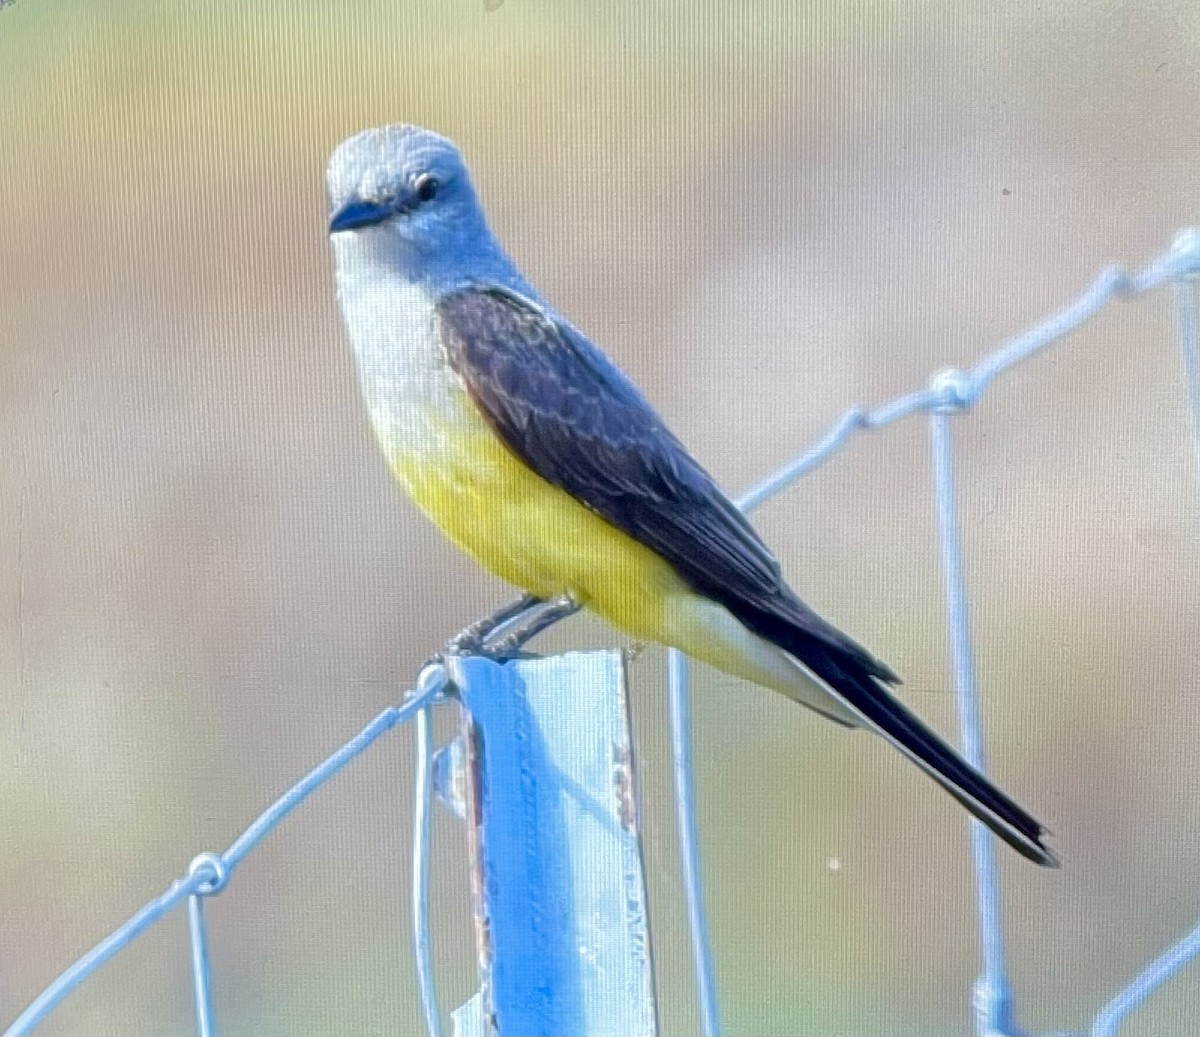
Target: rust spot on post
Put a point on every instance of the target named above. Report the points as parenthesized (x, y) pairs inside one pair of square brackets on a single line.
[(475, 793)]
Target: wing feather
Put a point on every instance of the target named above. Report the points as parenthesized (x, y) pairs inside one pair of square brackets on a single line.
[(569, 414)]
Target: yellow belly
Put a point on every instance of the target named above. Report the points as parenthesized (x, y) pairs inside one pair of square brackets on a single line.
[(541, 539), (531, 533)]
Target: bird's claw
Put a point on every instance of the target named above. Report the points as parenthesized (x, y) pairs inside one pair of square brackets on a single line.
[(476, 640), (502, 651), (468, 641)]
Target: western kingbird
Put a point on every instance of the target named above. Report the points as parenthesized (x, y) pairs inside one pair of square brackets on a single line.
[(530, 449)]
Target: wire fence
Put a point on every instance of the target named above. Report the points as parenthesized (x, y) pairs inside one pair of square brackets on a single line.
[(947, 394)]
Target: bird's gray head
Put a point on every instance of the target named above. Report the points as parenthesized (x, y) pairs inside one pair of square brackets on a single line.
[(403, 194)]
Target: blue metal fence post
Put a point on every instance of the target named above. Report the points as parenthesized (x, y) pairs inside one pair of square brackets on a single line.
[(680, 723), (1185, 251), (993, 999), (419, 894), (203, 864), (557, 882)]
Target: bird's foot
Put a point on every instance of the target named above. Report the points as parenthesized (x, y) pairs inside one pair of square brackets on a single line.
[(501, 652), (471, 639), (536, 619), (535, 615)]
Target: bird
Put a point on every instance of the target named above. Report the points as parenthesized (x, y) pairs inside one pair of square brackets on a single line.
[(537, 456)]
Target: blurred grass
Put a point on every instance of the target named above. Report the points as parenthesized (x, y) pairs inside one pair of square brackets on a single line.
[(766, 213)]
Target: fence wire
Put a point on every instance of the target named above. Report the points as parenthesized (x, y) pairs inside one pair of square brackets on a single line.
[(947, 394)]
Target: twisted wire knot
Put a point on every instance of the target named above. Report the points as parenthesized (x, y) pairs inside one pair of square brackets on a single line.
[(953, 390), (212, 866)]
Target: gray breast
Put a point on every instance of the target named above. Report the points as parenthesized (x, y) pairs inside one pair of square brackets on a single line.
[(409, 389)]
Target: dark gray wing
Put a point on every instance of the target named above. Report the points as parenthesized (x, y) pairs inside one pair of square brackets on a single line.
[(565, 411), (572, 417)]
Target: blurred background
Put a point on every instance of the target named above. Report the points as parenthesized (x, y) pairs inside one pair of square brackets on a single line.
[(766, 213)]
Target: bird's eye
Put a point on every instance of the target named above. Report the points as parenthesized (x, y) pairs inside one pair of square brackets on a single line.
[(426, 187)]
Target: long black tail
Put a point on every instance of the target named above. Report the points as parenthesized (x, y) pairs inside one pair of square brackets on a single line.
[(861, 682)]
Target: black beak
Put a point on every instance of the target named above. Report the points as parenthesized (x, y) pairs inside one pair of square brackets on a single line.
[(358, 213)]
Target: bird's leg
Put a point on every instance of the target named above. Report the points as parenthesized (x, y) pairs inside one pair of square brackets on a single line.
[(542, 615), (471, 639)]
